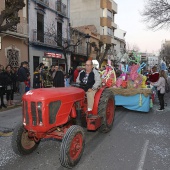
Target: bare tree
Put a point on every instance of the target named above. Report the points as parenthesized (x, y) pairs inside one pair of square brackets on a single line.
[(130, 47), (156, 13), (9, 16), (101, 54), (66, 45)]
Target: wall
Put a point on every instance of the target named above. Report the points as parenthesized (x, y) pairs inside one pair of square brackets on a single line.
[(85, 13)]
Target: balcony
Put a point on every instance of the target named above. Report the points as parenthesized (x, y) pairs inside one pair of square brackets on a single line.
[(114, 7), (43, 2), (20, 30), (81, 49), (61, 8), (106, 4), (113, 41), (43, 38), (114, 25), (106, 39), (105, 22)]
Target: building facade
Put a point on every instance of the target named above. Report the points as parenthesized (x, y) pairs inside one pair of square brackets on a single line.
[(99, 13), (120, 47), (14, 41), (152, 60), (48, 31)]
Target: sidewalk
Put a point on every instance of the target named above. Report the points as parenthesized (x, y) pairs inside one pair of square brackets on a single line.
[(16, 101)]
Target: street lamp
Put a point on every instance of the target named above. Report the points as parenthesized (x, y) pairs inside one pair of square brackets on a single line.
[(87, 41)]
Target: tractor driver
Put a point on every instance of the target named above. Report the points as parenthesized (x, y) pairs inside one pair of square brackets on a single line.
[(91, 78)]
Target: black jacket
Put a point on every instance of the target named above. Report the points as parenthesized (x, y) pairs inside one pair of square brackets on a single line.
[(58, 80), (22, 74), (90, 81), (36, 80)]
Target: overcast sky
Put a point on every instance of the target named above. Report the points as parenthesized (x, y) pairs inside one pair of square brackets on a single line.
[(129, 19)]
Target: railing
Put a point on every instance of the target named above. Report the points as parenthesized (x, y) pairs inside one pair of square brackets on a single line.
[(44, 2), (61, 8), (79, 49), (45, 38), (20, 29)]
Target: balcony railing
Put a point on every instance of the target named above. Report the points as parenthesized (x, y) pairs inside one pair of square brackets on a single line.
[(61, 8), (43, 2), (81, 49), (20, 29), (45, 38)]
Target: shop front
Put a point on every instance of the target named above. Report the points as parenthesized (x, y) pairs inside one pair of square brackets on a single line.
[(46, 56), (54, 59)]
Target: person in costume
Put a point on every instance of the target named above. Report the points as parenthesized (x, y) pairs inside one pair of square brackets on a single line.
[(154, 76)]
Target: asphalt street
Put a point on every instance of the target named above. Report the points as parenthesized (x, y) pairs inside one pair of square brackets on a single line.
[(138, 141)]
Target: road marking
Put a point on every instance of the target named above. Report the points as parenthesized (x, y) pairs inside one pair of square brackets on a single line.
[(143, 155)]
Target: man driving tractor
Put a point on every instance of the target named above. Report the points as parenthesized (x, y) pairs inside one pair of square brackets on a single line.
[(91, 79)]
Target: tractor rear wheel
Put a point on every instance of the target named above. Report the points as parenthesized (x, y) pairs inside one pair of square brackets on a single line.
[(21, 143), (106, 110), (72, 146)]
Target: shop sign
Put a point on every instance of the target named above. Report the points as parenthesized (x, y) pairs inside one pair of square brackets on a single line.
[(53, 55)]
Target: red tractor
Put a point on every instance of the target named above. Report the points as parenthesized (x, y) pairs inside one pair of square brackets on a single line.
[(60, 113)]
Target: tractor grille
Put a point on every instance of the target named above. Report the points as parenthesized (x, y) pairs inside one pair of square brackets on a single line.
[(35, 113), (53, 109), (25, 111)]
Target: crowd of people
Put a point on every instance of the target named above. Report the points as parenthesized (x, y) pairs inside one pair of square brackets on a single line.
[(13, 80)]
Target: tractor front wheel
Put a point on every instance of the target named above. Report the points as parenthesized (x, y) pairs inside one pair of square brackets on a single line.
[(106, 110), (22, 144), (72, 146)]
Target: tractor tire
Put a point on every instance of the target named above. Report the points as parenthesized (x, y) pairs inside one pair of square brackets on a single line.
[(21, 143), (72, 146), (106, 110)]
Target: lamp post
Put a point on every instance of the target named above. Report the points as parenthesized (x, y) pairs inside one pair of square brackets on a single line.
[(87, 41)]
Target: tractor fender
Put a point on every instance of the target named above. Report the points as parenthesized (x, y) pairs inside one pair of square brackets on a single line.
[(97, 99), (73, 113)]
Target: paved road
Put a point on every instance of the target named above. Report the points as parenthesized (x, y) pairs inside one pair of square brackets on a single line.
[(138, 141)]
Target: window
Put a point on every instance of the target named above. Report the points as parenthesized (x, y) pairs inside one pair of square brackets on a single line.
[(13, 57), (59, 33), (40, 27), (109, 31), (109, 14)]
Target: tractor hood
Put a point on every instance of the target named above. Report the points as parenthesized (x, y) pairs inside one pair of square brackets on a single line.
[(62, 93)]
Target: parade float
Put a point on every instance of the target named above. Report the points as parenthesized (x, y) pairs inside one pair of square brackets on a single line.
[(129, 87)]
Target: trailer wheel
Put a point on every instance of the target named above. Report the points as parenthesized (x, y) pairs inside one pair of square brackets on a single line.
[(72, 146), (21, 143), (106, 110)]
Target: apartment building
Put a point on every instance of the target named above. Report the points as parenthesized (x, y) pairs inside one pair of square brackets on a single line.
[(99, 13), (120, 47), (152, 60), (14, 41), (48, 20), (83, 51)]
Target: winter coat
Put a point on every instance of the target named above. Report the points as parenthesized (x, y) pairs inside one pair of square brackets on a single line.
[(58, 80), (22, 74), (36, 80), (160, 84), (93, 81)]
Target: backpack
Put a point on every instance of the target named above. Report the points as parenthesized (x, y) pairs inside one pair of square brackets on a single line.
[(167, 88)]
